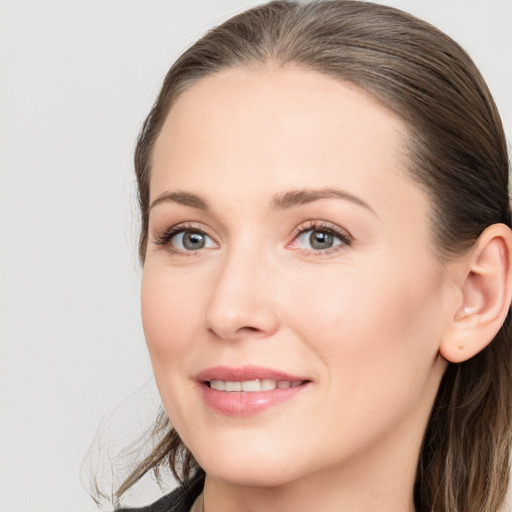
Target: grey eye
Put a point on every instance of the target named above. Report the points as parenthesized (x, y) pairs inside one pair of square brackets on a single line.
[(318, 240), (191, 241)]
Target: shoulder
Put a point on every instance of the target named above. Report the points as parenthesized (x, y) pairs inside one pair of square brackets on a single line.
[(179, 500)]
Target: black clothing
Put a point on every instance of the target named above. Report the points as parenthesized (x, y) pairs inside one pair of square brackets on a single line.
[(179, 500)]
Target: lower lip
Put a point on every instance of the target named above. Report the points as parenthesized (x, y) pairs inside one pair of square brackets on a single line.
[(240, 403)]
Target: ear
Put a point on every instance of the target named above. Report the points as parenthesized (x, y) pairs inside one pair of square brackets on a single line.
[(486, 289)]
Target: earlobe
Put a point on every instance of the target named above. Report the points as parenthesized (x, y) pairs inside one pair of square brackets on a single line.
[(486, 291)]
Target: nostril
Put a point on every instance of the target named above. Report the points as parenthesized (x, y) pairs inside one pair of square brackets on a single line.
[(249, 331)]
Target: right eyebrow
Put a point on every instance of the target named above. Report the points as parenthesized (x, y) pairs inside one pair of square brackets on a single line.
[(184, 198)]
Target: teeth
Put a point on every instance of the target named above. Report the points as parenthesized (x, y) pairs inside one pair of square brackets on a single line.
[(253, 385), (233, 386), (218, 384), (268, 384)]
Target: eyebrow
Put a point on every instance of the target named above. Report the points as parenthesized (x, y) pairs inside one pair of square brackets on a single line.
[(299, 197), (184, 198), (285, 200)]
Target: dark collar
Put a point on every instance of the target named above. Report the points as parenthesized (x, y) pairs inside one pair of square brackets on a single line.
[(180, 499)]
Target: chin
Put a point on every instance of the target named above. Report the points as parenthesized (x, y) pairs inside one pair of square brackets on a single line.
[(249, 476), (250, 468)]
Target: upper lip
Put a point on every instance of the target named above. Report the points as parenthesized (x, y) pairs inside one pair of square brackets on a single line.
[(244, 373)]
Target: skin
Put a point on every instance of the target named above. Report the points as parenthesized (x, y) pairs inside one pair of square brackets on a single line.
[(363, 320)]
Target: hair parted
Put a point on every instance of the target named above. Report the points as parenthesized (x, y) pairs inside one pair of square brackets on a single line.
[(457, 152)]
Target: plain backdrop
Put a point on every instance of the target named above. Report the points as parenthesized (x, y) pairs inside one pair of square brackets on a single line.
[(77, 79)]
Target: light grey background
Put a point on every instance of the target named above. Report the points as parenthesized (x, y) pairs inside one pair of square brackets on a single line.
[(77, 79)]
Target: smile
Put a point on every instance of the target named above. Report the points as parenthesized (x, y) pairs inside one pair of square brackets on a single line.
[(248, 390), (251, 386)]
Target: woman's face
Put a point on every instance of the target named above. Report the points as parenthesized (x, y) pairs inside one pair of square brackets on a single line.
[(288, 247)]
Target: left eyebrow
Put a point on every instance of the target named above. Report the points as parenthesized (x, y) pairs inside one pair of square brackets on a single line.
[(299, 197)]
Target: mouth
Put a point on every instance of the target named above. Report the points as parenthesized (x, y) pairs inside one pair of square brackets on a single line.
[(248, 390), (253, 386)]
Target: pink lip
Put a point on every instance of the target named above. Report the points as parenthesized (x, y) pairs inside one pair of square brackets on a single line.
[(245, 373), (239, 403)]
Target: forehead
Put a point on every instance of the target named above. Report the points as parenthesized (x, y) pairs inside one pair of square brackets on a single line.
[(279, 128), (298, 103)]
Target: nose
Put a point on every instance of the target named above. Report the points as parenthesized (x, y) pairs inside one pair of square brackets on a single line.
[(242, 302)]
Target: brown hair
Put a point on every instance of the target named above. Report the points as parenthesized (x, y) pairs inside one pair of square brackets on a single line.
[(458, 154)]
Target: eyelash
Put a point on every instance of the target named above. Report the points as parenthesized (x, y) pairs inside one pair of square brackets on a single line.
[(164, 239), (323, 227)]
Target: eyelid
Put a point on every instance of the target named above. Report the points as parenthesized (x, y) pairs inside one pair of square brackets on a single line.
[(325, 226), (163, 239)]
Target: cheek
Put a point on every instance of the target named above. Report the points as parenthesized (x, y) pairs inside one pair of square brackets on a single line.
[(375, 341), (370, 321), (170, 316)]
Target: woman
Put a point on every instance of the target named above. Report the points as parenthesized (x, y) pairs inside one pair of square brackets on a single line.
[(326, 247)]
